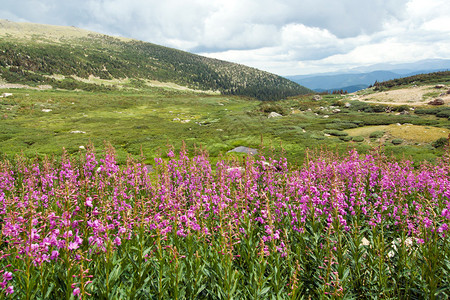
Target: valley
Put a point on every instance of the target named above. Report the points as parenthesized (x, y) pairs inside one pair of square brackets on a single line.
[(130, 170)]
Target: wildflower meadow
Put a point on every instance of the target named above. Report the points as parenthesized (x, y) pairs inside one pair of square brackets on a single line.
[(339, 227)]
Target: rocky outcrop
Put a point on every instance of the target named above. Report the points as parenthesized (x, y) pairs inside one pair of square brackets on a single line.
[(437, 101)]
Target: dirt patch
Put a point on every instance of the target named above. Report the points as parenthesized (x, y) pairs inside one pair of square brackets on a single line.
[(23, 86), (407, 132), (410, 96)]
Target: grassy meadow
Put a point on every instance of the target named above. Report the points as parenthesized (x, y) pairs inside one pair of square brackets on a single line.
[(142, 121), (325, 213), (348, 197)]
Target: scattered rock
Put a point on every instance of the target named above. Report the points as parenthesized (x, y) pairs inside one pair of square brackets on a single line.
[(243, 149), (448, 92), (337, 110), (439, 86), (82, 148), (274, 115), (317, 97), (347, 105), (176, 119), (437, 101), (4, 95), (185, 121), (77, 131), (326, 116), (149, 168), (46, 110)]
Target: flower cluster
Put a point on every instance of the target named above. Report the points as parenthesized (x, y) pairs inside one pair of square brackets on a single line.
[(343, 211)]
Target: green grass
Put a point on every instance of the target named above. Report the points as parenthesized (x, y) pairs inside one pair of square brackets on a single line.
[(145, 121)]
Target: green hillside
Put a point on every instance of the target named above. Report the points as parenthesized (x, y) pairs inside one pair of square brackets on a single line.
[(420, 79), (62, 57)]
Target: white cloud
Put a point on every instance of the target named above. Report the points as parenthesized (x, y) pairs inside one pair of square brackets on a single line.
[(281, 36)]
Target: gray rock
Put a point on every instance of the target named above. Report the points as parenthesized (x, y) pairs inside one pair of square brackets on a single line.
[(243, 149), (274, 115)]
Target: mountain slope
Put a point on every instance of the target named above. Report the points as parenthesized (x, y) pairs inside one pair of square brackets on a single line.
[(34, 54), (362, 77), (337, 82)]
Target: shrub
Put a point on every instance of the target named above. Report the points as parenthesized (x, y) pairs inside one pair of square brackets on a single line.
[(401, 108), (358, 139), (397, 141), (336, 132), (273, 107), (345, 138), (440, 142), (341, 126), (443, 113), (376, 134)]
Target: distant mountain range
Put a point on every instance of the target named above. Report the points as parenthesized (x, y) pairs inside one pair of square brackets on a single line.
[(67, 57), (360, 78)]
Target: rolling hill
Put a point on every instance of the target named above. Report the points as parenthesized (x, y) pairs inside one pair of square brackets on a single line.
[(360, 78), (71, 58)]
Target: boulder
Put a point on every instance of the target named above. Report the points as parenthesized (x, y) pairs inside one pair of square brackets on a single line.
[(317, 98), (243, 149), (437, 101), (274, 115)]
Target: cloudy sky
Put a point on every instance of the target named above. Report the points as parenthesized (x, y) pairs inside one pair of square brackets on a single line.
[(286, 37)]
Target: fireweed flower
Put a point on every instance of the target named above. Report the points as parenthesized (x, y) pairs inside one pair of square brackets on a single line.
[(88, 202), (186, 198), (54, 255), (9, 289)]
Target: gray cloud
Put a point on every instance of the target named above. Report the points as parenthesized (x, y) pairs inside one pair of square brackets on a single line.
[(278, 36)]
